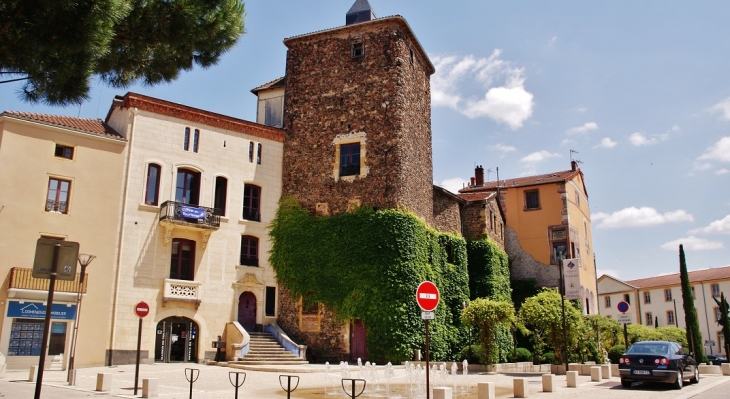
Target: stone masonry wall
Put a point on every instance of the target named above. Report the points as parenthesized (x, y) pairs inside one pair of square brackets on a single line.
[(381, 94), (524, 266), (446, 213), (477, 224)]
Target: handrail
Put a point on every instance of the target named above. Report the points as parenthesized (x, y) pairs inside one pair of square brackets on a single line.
[(288, 344)]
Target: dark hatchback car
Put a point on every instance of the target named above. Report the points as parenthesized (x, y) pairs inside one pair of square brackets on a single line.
[(717, 360), (657, 361)]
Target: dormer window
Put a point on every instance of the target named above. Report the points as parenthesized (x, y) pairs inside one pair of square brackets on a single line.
[(358, 50)]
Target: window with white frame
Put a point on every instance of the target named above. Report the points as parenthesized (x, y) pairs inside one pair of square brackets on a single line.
[(670, 317), (607, 300), (715, 289), (668, 294), (647, 297), (649, 318)]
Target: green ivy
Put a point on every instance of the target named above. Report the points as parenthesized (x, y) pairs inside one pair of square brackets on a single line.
[(488, 271), (367, 265)]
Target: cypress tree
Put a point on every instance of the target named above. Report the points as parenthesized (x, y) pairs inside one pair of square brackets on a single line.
[(694, 336)]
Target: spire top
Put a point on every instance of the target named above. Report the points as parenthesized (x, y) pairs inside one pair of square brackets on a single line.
[(361, 11)]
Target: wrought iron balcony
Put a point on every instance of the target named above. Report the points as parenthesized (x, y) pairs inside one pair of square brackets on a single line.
[(181, 291), (190, 215), (56, 206)]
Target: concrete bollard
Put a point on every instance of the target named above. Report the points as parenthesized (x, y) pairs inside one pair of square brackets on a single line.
[(442, 393), (485, 390), (149, 388), (548, 382), (606, 371), (596, 374), (521, 390), (572, 377), (104, 382), (725, 368), (33, 373)]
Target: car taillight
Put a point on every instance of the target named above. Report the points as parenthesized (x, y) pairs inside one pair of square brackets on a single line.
[(624, 360), (662, 360)]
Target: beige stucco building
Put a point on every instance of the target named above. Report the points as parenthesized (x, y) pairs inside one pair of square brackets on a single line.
[(61, 180), (658, 300)]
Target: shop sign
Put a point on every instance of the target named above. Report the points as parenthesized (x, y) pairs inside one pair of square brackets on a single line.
[(188, 212), (37, 310)]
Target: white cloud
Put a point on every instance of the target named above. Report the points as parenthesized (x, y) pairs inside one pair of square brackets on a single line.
[(453, 185), (723, 107), (506, 102), (675, 128), (640, 217), (606, 142), (537, 157), (692, 243), (565, 142), (580, 108), (503, 148), (553, 40), (703, 165), (585, 128), (721, 226), (722, 171), (719, 151), (639, 139)]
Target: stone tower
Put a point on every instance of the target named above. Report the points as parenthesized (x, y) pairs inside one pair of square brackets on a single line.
[(358, 117)]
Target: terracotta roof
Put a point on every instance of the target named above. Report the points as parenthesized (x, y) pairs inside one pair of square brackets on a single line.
[(394, 18), (196, 115), (478, 196), (695, 276), (448, 194), (555, 177), (280, 82), (84, 125)]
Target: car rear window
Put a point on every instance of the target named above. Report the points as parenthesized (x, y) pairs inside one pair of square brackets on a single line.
[(659, 349)]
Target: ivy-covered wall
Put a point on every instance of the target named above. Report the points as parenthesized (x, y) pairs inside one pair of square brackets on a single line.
[(367, 265)]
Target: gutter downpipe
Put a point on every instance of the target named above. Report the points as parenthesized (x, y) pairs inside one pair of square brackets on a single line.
[(112, 337), (707, 319)]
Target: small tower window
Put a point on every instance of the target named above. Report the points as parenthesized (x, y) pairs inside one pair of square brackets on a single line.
[(358, 50)]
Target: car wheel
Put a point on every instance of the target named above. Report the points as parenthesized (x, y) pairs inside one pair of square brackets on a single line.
[(626, 384), (696, 377), (678, 384)]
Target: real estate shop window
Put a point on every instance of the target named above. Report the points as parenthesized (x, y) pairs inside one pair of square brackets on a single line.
[(532, 199), (64, 151), (251, 203), (187, 189), (182, 262), (57, 198), (350, 159), (152, 188), (221, 191), (249, 251)]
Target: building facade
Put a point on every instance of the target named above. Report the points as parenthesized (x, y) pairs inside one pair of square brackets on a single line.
[(657, 301)]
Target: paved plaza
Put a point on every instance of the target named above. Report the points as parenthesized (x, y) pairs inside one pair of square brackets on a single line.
[(263, 382)]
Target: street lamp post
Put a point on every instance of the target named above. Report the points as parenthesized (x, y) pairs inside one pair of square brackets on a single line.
[(84, 260)]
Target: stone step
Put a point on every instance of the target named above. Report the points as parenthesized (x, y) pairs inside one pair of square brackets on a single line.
[(264, 362)]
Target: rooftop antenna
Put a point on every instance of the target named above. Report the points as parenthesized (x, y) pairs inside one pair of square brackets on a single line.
[(488, 172), (571, 154)]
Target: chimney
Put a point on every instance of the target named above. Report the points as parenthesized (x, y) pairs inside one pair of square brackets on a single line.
[(479, 175), (473, 182), (573, 166)]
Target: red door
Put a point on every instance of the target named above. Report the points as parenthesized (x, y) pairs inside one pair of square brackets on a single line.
[(247, 311), (358, 347)]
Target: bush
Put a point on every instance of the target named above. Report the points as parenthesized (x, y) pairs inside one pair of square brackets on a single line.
[(522, 355), (548, 358), (615, 353), (471, 353)]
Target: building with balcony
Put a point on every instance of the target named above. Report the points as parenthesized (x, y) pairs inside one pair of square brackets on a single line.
[(60, 180)]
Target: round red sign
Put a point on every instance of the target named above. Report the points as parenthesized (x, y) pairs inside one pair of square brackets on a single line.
[(427, 296), (142, 309)]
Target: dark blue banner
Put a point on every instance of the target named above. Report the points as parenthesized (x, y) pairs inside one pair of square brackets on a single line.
[(37, 310), (188, 212)]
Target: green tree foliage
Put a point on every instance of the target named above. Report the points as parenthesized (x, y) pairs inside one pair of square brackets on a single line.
[(542, 315), (694, 336), (523, 289), (614, 354), (56, 46), (638, 333), (487, 315), (367, 265), (610, 330), (724, 321)]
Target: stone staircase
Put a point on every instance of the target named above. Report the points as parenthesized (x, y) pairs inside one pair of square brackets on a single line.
[(264, 349)]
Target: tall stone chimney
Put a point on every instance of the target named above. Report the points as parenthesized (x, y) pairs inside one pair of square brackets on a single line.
[(573, 166), (479, 175)]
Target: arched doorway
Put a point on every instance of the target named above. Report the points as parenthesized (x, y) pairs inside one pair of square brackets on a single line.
[(247, 310), (176, 340)]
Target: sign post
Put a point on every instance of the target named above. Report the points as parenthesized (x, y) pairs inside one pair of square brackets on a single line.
[(141, 310), (624, 318), (427, 297)]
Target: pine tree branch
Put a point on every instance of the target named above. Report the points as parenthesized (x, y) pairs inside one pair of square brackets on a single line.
[(14, 80)]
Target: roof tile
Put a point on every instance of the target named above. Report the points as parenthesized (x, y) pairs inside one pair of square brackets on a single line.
[(695, 276), (86, 125)]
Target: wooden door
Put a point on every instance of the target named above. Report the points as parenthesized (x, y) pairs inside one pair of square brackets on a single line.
[(358, 347), (247, 311)]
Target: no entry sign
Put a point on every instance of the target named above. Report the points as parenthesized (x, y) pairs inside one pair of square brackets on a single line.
[(142, 309), (427, 296)]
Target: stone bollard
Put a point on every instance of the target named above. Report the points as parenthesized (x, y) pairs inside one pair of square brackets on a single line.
[(33, 373), (596, 374), (725, 368), (605, 371), (485, 390), (548, 382), (149, 388), (104, 382), (521, 390), (442, 393), (572, 377)]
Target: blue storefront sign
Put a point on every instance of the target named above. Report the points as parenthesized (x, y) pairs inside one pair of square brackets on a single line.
[(37, 310), (189, 212)]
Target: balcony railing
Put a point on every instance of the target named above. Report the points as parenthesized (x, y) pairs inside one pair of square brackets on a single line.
[(182, 291), (22, 278), (204, 217), (56, 206)]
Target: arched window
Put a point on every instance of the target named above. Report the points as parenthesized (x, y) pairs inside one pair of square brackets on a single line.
[(182, 262), (187, 189), (251, 202), (249, 251), (152, 188)]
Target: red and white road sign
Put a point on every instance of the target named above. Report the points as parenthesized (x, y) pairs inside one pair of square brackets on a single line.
[(427, 296), (142, 309)]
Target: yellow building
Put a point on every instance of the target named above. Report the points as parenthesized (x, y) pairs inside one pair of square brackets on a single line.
[(548, 219), (61, 180)]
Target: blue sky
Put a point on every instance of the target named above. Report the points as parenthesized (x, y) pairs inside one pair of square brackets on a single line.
[(640, 89)]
